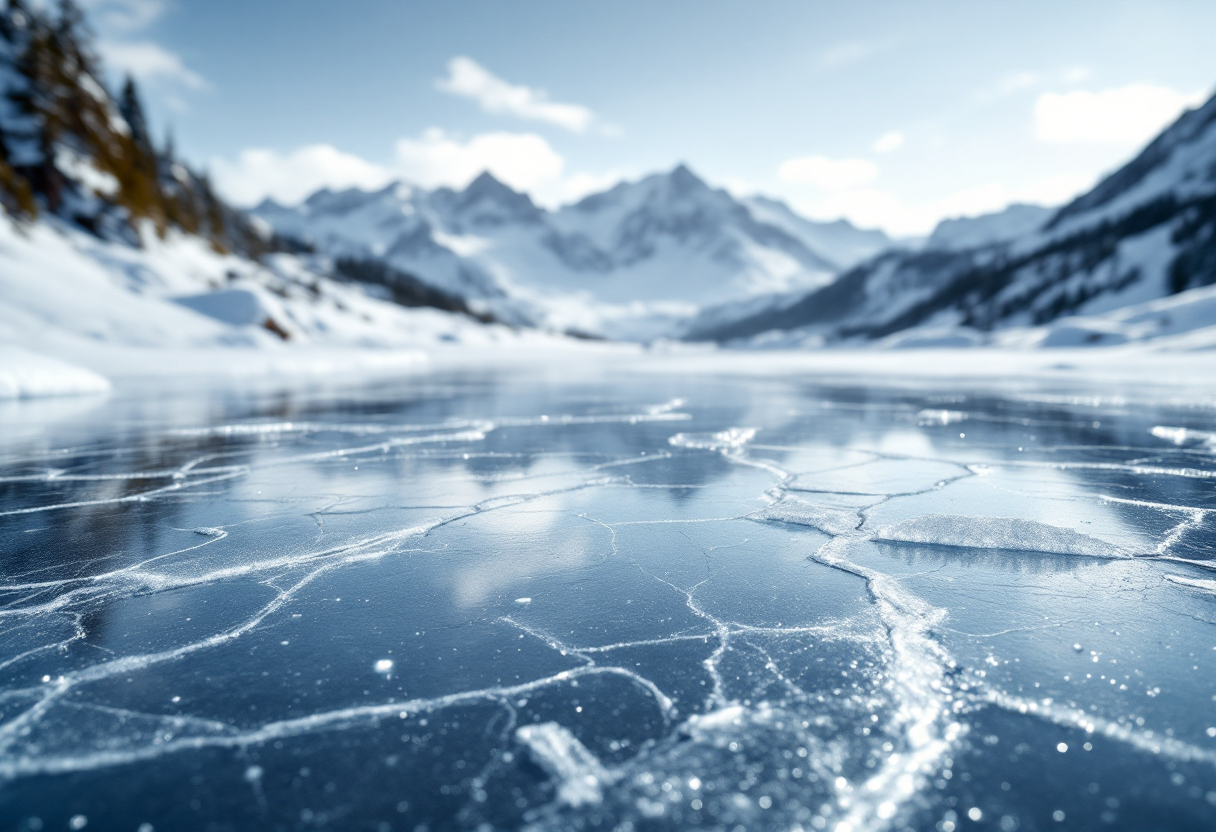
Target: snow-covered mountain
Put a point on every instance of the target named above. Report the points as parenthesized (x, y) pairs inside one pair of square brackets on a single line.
[(635, 261), (116, 257), (1145, 232)]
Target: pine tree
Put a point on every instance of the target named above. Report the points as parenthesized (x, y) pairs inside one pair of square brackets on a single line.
[(58, 121), (133, 113)]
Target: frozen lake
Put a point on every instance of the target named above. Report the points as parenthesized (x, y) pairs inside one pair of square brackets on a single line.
[(626, 602)]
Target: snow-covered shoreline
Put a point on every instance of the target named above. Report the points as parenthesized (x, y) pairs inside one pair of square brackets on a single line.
[(27, 375)]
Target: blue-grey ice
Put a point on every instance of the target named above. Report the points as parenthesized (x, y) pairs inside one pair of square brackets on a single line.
[(521, 600)]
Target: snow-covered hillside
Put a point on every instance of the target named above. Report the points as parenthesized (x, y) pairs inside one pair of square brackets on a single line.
[(116, 256), (1015, 221), (175, 305), (1144, 233), (636, 261)]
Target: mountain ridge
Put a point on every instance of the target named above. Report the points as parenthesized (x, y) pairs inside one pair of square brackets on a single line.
[(1146, 231), (637, 260)]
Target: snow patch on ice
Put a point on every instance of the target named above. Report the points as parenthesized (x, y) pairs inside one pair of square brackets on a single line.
[(579, 776), (1008, 533), (802, 513)]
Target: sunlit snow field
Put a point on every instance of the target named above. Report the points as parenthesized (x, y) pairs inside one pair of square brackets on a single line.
[(534, 598)]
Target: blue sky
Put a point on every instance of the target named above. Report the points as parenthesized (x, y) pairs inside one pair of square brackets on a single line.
[(892, 114)]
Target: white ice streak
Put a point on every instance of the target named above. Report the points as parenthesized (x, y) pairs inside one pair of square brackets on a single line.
[(919, 669), (1137, 469), (15, 732), (829, 519), (730, 443), (140, 497), (929, 416), (205, 476), (919, 682), (578, 774), (274, 429), (1201, 584), (724, 440), (653, 413), (14, 765), (1147, 740), (1181, 436), (1008, 533)]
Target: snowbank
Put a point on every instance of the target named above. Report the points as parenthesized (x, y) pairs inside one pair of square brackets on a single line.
[(24, 375)]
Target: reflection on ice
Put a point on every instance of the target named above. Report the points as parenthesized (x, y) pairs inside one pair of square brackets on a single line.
[(649, 604)]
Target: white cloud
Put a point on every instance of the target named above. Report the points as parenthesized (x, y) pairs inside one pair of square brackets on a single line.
[(889, 142), (1122, 116), (124, 15), (852, 51), (871, 207), (1016, 82), (525, 161), (469, 79), (119, 23), (1076, 74), (828, 174), (289, 178), (1012, 83), (147, 61)]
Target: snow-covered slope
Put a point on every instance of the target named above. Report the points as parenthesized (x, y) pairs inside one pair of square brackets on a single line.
[(635, 261), (24, 375), (1186, 320), (840, 242), (176, 305), (115, 256), (1145, 232), (1015, 221)]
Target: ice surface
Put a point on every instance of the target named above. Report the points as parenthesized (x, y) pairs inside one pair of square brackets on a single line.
[(600, 598)]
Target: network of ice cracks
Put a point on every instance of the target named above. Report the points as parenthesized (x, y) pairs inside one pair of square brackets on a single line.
[(915, 697)]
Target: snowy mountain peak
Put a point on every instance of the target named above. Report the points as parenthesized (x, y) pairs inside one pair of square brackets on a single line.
[(487, 201), (1014, 221), (634, 261), (683, 181)]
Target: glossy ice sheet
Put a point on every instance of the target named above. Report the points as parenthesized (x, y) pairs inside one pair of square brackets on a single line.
[(657, 603)]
